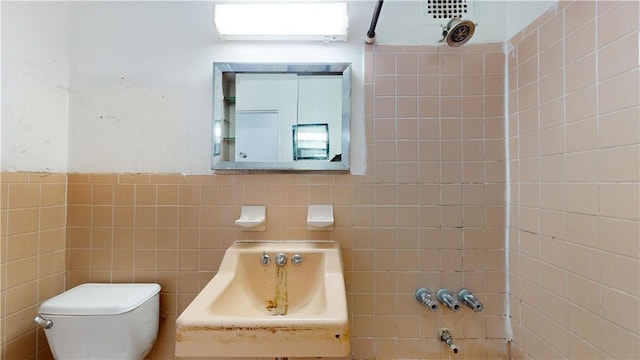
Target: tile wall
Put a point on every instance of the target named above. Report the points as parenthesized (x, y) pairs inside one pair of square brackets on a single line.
[(32, 262), (574, 173)]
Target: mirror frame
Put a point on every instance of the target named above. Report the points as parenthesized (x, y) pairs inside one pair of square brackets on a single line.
[(344, 69)]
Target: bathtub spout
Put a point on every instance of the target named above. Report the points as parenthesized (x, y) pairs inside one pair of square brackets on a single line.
[(445, 337)]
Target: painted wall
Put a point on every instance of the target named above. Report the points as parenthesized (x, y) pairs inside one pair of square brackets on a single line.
[(1, 89), (144, 71), (35, 86)]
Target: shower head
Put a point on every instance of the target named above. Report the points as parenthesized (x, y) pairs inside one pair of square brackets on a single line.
[(458, 32)]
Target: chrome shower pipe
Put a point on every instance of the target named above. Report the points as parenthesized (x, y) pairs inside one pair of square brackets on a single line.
[(371, 34), (424, 297), (445, 297), (468, 299)]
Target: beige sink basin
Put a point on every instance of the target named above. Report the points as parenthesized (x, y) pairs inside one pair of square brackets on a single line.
[(252, 310)]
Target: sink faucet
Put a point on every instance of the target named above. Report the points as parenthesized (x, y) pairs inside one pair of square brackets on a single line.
[(296, 259), (281, 259), (265, 259)]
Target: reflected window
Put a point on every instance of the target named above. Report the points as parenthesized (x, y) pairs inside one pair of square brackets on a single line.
[(311, 142)]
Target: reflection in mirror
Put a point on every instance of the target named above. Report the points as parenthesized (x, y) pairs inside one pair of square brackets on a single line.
[(311, 142), (281, 117)]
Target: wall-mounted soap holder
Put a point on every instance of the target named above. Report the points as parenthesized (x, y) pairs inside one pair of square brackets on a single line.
[(320, 217), (252, 218)]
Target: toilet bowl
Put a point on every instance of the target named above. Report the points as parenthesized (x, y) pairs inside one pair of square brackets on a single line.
[(102, 321)]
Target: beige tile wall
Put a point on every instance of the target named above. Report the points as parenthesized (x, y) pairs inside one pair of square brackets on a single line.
[(575, 155), (32, 261), (428, 213)]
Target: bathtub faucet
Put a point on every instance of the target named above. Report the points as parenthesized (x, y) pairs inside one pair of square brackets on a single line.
[(468, 299), (445, 297), (424, 297)]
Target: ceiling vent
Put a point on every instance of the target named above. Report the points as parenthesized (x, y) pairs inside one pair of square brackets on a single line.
[(446, 9)]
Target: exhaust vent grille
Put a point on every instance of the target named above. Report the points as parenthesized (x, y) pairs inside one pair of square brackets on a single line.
[(446, 9)]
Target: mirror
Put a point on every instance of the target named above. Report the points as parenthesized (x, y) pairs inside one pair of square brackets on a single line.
[(281, 117)]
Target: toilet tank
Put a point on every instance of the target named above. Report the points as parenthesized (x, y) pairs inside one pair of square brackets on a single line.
[(103, 321)]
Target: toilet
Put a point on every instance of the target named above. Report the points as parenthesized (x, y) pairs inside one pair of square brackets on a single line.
[(102, 321)]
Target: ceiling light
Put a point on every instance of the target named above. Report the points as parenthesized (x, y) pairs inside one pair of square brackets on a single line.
[(281, 21)]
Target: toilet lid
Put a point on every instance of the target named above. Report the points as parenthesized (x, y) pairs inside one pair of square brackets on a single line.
[(99, 299)]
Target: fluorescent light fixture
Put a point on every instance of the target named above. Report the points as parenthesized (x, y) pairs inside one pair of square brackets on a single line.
[(282, 21)]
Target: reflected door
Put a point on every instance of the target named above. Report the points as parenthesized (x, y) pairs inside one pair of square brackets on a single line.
[(257, 136)]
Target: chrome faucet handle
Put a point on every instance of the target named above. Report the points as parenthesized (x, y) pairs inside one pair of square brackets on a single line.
[(296, 259), (265, 259), (281, 259), (467, 297), (424, 297), (445, 297)]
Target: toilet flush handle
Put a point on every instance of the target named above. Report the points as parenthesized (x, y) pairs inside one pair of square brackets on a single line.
[(47, 324)]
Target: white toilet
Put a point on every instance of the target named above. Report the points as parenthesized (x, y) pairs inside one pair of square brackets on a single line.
[(102, 321)]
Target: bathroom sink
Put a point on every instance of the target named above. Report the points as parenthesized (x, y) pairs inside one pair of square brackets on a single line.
[(250, 309)]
